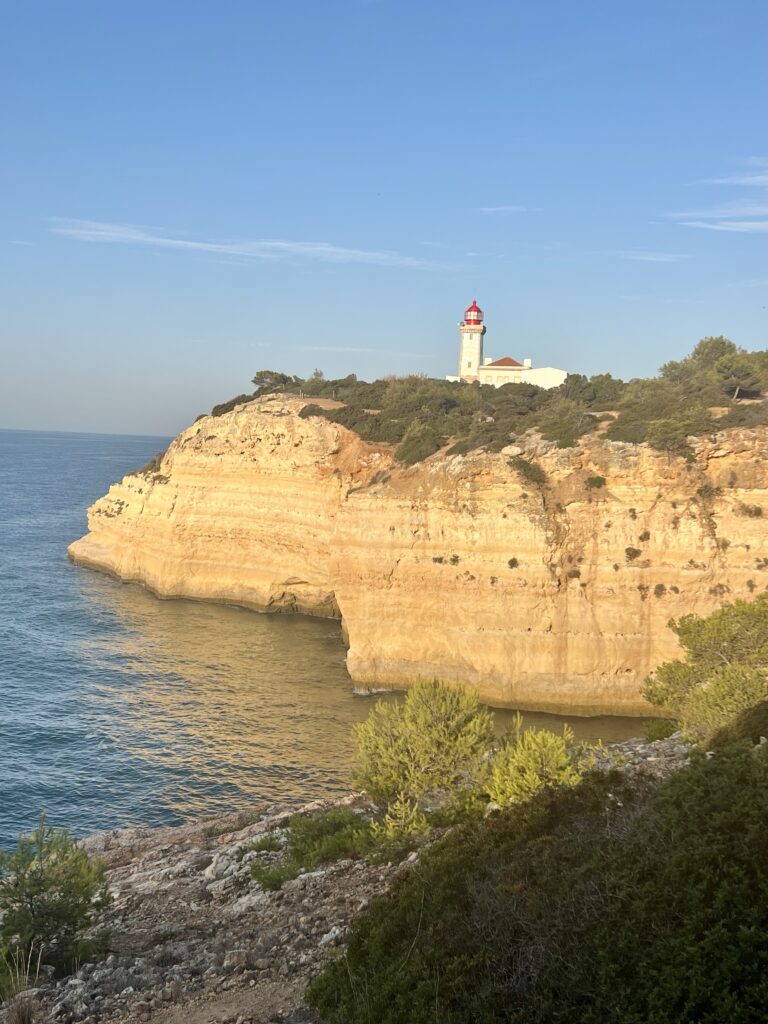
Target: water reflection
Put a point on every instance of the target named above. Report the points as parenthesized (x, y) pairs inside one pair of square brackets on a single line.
[(216, 706), (228, 703)]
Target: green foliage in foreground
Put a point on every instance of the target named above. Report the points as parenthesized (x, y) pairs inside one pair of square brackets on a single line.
[(725, 671), (315, 839), (659, 729), (268, 843), (434, 741), (605, 903), (750, 725), (49, 891), (531, 760)]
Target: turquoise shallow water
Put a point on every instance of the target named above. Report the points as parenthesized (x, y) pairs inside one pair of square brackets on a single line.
[(117, 708)]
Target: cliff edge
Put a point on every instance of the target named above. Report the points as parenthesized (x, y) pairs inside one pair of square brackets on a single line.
[(550, 595)]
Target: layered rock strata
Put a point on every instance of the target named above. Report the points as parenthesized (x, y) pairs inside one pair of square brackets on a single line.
[(551, 596)]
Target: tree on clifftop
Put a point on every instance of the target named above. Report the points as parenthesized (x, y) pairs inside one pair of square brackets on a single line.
[(271, 380)]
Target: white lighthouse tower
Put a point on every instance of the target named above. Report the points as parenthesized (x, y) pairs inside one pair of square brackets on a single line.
[(472, 330), (474, 368)]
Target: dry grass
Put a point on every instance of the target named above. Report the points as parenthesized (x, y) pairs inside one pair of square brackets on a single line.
[(20, 974)]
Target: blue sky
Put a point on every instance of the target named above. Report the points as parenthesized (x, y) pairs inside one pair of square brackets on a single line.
[(190, 192)]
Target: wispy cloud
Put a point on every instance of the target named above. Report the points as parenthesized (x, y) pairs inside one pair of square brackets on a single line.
[(507, 210), (756, 176), (760, 180), (646, 256), (261, 249), (727, 211), (750, 227), (749, 217)]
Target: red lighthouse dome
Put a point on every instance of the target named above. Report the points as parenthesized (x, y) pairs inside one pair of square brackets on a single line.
[(473, 315)]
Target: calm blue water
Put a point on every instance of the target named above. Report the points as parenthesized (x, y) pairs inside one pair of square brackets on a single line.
[(117, 708)]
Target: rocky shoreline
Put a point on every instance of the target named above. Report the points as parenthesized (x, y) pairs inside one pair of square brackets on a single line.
[(196, 940)]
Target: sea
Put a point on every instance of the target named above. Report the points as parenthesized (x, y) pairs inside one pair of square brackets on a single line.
[(120, 709)]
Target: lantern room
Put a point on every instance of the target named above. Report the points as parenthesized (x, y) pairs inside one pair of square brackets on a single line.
[(473, 315)]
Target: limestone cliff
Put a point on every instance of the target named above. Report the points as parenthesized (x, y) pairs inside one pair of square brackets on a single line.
[(552, 596)]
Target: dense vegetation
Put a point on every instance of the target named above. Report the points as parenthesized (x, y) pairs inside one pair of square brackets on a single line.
[(435, 741), (725, 670), (420, 415), (431, 760), (604, 903), (588, 896)]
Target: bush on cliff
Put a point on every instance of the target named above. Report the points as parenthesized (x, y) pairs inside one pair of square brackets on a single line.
[(750, 725), (419, 442), (611, 902), (531, 760), (725, 669), (49, 892), (151, 467), (314, 839), (662, 411), (436, 740)]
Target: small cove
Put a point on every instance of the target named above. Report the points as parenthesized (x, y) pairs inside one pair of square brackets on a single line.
[(117, 708)]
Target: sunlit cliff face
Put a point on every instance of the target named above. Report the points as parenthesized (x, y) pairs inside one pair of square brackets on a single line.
[(553, 597)]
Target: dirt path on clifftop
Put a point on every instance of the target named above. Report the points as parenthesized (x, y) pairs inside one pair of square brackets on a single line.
[(264, 1003)]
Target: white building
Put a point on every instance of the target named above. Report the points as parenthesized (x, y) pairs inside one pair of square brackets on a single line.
[(473, 366)]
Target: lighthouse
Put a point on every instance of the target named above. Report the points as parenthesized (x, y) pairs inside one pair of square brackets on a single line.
[(471, 329), (474, 368)]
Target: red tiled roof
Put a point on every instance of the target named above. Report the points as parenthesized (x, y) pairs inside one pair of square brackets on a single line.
[(504, 361)]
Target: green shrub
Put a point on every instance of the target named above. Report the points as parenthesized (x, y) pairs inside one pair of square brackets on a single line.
[(315, 839), (419, 441), (272, 876), (564, 421), (464, 445), (660, 728), (727, 693), (531, 760), (320, 838), (268, 843), (151, 467), (750, 725), (632, 553), (310, 410), (724, 671), (435, 740), (530, 471), (611, 902), (595, 482), (49, 892), (403, 820), (224, 407)]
